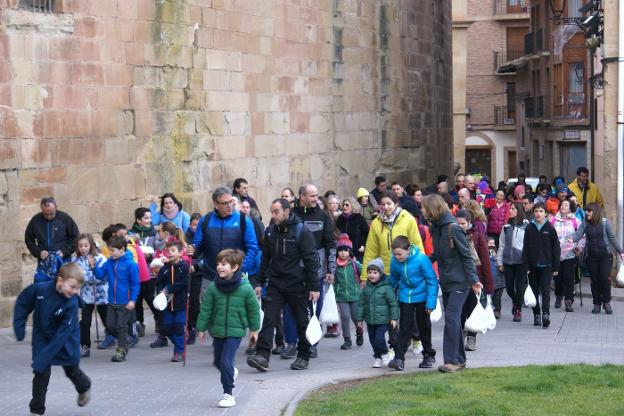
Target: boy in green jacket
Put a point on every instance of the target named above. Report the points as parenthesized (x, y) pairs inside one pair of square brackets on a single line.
[(377, 306), (229, 308)]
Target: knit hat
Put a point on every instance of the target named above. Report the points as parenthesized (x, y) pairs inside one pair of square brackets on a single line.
[(519, 189), (344, 242), (361, 192), (561, 188), (376, 264)]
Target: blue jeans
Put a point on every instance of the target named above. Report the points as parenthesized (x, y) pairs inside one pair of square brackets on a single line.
[(377, 338), (453, 341), (224, 355), (173, 326), (290, 325)]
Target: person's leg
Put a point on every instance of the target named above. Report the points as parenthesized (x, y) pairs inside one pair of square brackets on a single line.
[(497, 299), (469, 305), (39, 390), (559, 281), (372, 333), (85, 324), (226, 364), (453, 341), (111, 320), (167, 319), (423, 322), (546, 275), (194, 303), (604, 281), (593, 265), (406, 323), (279, 332), (125, 318), (101, 310), (298, 302), (217, 350), (567, 271), (345, 319), (178, 331), (521, 282), (148, 295), (510, 284), (353, 312), (273, 302), (81, 382), (534, 282), (290, 325), (138, 307)]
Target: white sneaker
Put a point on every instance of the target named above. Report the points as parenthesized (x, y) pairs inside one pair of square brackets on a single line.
[(377, 363), (385, 359), (227, 401), (235, 373), (390, 354), (417, 347)]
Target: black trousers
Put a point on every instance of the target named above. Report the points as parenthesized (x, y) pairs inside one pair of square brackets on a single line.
[(194, 299), (539, 280), (41, 381), (118, 321), (146, 293), (599, 269), (85, 322), (515, 283), (564, 281), (409, 311), (274, 301)]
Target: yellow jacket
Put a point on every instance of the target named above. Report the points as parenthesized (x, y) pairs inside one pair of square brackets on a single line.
[(380, 237), (592, 193)]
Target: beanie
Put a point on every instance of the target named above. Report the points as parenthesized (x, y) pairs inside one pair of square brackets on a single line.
[(361, 192), (344, 241), (376, 264), (519, 189)]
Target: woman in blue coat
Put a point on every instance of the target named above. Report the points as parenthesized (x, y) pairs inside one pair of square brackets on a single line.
[(170, 211)]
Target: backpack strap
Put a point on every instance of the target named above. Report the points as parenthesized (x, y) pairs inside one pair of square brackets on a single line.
[(356, 274), (451, 241)]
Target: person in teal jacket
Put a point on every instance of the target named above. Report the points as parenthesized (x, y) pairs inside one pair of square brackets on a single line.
[(347, 288), (412, 274)]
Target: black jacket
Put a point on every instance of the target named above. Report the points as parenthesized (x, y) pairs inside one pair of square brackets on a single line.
[(541, 247), (456, 266), (289, 259), (322, 227), (409, 204), (58, 234), (174, 278), (357, 229)]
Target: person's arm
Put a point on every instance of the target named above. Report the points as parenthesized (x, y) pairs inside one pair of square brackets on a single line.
[(155, 214), (501, 248), (186, 221), (579, 233), (101, 270), (463, 250), (134, 282), (100, 260), (31, 239), (307, 246), (431, 280), (206, 310), (393, 303), (266, 259), (329, 243), (556, 249), (359, 309), (612, 238), (525, 246), (72, 234), (395, 276), (253, 311), (251, 246), (371, 250), (363, 234), (44, 357), (24, 305), (486, 268)]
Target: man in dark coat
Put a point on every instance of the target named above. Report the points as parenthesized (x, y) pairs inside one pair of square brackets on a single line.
[(51, 232)]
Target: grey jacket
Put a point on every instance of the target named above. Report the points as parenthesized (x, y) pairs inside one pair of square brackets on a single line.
[(510, 244), (609, 236), (455, 264)]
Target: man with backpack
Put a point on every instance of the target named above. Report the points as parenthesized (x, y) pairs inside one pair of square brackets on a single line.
[(290, 270)]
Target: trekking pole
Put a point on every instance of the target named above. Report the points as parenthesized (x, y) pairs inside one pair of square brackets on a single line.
[(186, 317), (580, 275), (95, 312)]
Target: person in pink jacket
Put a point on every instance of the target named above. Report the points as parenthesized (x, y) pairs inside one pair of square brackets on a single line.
[(498, 217)]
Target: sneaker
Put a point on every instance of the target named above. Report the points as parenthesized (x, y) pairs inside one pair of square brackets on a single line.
[(427, 362), (178, 357), (299, 364), (191, 337), (140, 329), (386, 358), (545, 320), (289, 352), (377, 363), (120, 355), (258, 362), (313, 351), (596, 309), (450, 368), (159, 342), (347, 344), (417, 346), (471, 343), (568, 306), (226, 401), (607, 308), (332, 331), (251, 350), (278, 350), (390, 354), (85, 352), (359, 337), (133, 341), (558, 301), (108, 342), (235, 373), (84, 398), (517, 315), (397, 364), (537, 320)]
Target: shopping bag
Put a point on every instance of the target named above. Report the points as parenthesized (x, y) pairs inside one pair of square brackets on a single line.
[(529, 297), (160, 301), (314, 333), (619, 279), (329, 313), (477, 321), (261, 311), (436, 314), (489, 311)]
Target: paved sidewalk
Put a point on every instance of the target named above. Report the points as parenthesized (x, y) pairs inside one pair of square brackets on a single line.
[(148, 384)]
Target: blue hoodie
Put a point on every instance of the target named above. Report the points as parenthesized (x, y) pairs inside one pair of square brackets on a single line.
[(123, 279), (415, 279)]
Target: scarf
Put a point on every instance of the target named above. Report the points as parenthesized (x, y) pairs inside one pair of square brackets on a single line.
[(346, 216), (342, 263), (389, 219), (171, 214), (229, 285)]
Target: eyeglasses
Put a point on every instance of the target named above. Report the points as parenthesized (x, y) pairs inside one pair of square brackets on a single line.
[(346, 205), (225, 203)]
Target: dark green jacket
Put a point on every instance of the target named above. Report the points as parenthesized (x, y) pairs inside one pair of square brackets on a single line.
[(347, 284), (377, 304), (229, 312)]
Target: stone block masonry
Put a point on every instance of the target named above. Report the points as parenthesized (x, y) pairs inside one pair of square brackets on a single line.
[(103, 103)]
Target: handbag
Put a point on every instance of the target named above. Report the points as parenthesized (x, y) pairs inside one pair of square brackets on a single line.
[(314, 333)]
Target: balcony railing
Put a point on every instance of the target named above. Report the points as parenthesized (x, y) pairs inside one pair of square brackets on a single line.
[(503, 58), (41, 6), (504, 116), (504, 7), (537, 107)]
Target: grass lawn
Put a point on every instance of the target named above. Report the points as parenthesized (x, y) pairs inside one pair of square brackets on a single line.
[(514, 391)]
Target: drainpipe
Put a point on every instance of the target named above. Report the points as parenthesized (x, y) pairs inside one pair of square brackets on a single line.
[(620, 125)]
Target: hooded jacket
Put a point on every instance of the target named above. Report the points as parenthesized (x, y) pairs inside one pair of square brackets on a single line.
[(322, 227), (229, 308), (541, 246), (356, 227), (455, 264), (58, 234), (289, 258), (56, 331), (94, 290), (377, 304), (123, 279), (592, 193), (510, 244), (174, 279), (347, 282), (498, 218), (485, 270), (415, 279), (566, 227)]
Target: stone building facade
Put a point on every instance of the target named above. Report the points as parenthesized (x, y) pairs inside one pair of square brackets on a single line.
[(106, 102)]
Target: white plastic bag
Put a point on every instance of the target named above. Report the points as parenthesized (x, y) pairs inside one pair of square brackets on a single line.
[(261, 312), (314, 333), (160, 301), (489, 311), (619, 279), (529, 297), (436, 314), (329, 313), (478, 320)]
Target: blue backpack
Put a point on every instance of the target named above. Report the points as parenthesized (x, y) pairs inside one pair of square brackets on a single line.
[(48, 269)]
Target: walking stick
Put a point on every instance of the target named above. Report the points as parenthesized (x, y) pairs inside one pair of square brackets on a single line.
[(188, 297), (580, 278), (95, 312)]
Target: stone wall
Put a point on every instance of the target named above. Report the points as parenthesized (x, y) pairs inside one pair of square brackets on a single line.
[(106, 102)]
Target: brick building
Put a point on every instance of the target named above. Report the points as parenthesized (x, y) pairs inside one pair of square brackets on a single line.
[(106, 102)]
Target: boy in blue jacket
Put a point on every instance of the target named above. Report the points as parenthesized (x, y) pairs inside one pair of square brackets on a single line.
[(412, 273), (56, 332), (123, 289)]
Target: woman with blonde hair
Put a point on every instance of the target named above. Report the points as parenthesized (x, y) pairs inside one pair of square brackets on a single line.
[(479, 220), (458, 274), (352, 222)]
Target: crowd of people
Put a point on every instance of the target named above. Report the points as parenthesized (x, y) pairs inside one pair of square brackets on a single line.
[(386, 252)]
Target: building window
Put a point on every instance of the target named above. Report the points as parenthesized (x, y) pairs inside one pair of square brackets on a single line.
[(40, 6), (573, 8)]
